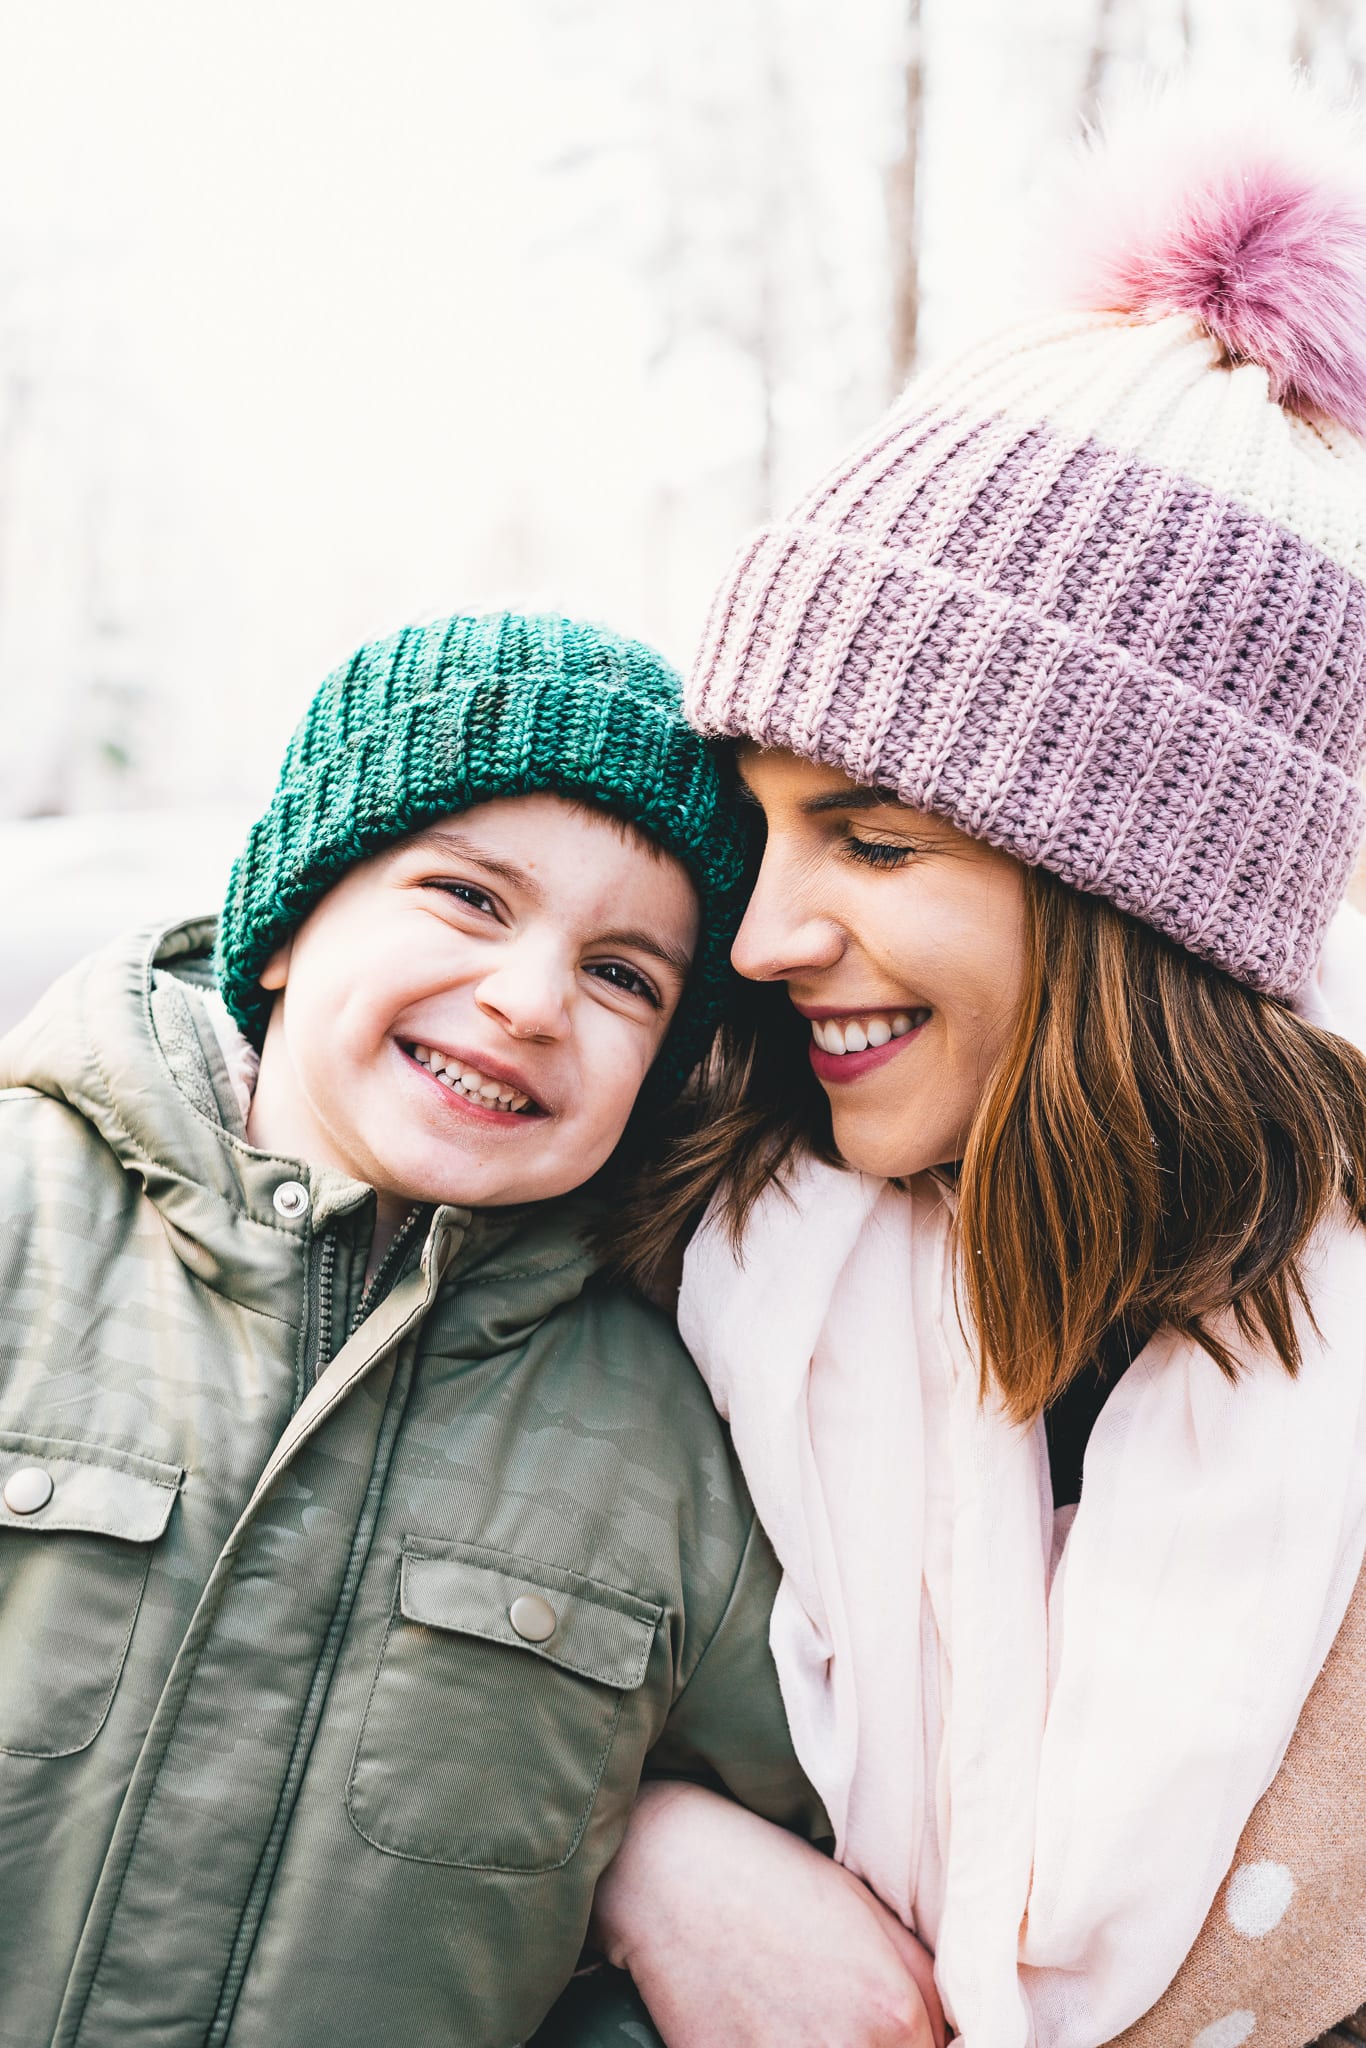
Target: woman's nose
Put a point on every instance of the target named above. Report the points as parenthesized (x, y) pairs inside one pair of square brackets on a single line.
[(527, 993), (784, 933)]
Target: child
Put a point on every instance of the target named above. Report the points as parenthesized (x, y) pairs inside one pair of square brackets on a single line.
[(356, 1545)]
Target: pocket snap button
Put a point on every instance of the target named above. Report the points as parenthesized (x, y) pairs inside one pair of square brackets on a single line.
[(27, 1490), (290, 1199), (532, 1617)]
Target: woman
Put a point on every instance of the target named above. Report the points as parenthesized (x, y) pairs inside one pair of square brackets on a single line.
[(1051, 703)]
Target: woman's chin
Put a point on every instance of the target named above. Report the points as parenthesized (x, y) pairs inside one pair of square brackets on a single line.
[(868, 1145), (865, 1152)]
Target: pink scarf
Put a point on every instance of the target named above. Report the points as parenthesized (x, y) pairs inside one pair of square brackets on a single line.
[(1043, 1767)]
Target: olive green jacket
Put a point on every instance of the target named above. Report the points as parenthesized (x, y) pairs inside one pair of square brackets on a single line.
[(276, 1765)]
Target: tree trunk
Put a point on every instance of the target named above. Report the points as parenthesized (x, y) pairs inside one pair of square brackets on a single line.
[(903, 206), (1098, 58)]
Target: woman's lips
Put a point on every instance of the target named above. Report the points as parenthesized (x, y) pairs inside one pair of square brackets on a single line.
[(852, 1066)]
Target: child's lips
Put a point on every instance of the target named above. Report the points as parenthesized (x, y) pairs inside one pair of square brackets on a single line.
[(488, 1086)]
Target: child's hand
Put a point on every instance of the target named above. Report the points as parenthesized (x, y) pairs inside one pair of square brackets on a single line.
[(741, 1936)]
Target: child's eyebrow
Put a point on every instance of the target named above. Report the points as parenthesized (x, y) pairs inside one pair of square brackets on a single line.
[(462, 848), (677, 957), (456, 843)]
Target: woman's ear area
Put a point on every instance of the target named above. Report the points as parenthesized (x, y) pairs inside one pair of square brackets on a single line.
[(275, 973)]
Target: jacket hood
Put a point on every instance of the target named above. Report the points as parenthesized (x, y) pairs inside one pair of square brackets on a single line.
[(101, 1042)]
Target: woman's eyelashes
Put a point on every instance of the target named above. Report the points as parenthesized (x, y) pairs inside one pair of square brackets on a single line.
[(878, 853)]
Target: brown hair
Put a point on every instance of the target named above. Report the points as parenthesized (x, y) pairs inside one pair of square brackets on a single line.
[(1156, 1146)]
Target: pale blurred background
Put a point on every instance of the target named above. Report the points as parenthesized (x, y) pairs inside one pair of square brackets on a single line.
[(318, 318)]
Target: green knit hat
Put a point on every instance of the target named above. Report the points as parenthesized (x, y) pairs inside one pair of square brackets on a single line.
[(438, 718)]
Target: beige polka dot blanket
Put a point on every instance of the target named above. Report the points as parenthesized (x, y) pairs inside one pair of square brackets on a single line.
[(1112, 1771), (1282, 1953)]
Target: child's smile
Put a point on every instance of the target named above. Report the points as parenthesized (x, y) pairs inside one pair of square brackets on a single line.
[(468, 1017), (475, 1083)]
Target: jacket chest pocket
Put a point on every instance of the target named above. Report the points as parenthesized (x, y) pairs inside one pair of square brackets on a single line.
[(493, 1709), (77, 1525)]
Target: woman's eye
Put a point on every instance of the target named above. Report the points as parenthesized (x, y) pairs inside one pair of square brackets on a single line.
[(632, 983), (878, 853)]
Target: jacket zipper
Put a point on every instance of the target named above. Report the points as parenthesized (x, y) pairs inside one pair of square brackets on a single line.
[(387, 1270), (261, 1888), (318, 1339)]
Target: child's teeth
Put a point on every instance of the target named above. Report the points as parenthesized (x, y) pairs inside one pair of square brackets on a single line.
[(466, 1081)]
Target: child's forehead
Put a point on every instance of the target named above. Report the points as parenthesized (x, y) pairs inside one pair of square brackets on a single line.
[(569, 852), (525, 823)]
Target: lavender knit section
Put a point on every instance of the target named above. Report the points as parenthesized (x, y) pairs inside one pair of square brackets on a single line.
[(1110, 671)]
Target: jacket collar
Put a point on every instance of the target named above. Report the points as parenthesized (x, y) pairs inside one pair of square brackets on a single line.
[(93, 1042)]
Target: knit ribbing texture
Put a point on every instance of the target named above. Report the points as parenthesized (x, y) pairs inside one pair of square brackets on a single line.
[(1143, 671), (438, 718)]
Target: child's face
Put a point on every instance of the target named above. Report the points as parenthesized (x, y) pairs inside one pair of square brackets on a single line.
[(538, 949)]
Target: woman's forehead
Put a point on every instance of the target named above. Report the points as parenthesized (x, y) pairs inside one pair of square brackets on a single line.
[(775, 769), (773, 776)]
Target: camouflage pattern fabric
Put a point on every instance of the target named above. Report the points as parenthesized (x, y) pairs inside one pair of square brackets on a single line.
[(601, 2009), (276, 1762)]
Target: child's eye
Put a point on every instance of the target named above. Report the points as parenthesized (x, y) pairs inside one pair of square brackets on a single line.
[(878, 853), (618, 975), (465, 892)]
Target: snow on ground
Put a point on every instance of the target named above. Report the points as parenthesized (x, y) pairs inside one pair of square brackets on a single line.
[(69, 884)]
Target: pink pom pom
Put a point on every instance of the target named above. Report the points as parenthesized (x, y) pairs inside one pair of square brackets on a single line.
[(1251, 219)]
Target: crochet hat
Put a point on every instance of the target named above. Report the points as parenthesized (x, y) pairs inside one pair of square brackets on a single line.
[(1096, 593), (440, 717)]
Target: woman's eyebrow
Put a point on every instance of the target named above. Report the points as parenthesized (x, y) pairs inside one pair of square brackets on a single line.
[(858, 799)]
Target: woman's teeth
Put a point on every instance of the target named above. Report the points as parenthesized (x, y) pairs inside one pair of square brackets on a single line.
[(856, 1034), (466, 1081)]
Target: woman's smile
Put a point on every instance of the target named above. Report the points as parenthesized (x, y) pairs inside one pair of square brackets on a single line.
[(846, 1044), (892, 930)]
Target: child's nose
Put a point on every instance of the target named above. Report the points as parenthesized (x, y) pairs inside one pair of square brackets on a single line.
[(527, 993)]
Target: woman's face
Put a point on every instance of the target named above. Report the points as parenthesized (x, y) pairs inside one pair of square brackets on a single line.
[(901, 940)]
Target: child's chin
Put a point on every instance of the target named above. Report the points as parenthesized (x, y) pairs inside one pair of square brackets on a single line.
[(475, 1185)]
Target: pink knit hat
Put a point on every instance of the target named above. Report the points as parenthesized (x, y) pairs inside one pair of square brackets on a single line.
[(1096, 593)]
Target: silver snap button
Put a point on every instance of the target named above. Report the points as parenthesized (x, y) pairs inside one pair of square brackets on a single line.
[(290, 1199), (532, 1617), (27, 1490)]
